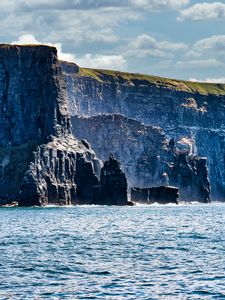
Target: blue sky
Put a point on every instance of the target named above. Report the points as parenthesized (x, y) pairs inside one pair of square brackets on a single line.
[(172, 38)]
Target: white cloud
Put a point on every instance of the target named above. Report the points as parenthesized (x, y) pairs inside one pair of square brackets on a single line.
[(215, 80), (84, 31), (30, 39), (26, 39), (64, 56), (83, 27), (95, 25), (209, 80), (91, 61), (214, 43), (193, 54), (203, 11), (7, 6), (116, 62), (145, 45), (201, 63), (27, 5), (206, 53), (159, 4)]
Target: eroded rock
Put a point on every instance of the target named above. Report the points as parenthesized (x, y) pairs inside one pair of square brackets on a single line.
[(146, 155), (191, 111), (161, 195), (40, 160), (112, 189)]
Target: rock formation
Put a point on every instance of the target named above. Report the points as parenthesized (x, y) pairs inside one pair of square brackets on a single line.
[(63, 172), (40, 161), (112, 189), (161, 195), (190, 174), (147, 156), (142, 150), (184, 110)]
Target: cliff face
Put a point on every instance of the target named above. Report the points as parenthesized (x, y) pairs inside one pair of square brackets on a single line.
[(182, 109), (32, 95), (40, 161), (142, 150), (147, 156), (62, 172)]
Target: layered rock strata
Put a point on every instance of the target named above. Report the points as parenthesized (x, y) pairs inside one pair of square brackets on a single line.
[(63, 172), (40, 161), (194, 111), (146, 155)]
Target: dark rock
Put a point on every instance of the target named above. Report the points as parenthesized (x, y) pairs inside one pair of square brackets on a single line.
[(142, 150), (33, 98), (172, 145), (146, 155), (70, 68), (8, 200), (40, 160), (86, 182), (161, 195), (85, 143), (62, 173), (192, 175), (112, 189), (181, 109)]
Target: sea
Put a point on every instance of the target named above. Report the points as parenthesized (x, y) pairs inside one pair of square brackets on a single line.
[(99, 252)]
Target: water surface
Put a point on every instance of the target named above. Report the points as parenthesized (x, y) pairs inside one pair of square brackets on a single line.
[(93, 252)]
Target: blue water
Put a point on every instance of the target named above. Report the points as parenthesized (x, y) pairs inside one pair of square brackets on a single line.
[(143, 252)]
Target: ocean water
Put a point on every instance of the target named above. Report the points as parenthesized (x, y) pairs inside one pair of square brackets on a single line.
[(93, 252)]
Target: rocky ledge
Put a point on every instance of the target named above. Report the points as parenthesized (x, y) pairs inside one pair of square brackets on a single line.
[(161, 195)]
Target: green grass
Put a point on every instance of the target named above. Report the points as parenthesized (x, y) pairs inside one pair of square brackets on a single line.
[(131, 78)]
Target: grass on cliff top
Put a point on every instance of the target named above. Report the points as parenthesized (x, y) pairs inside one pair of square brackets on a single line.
[(130, 78)]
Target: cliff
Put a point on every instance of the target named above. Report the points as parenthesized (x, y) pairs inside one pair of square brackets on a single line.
[(142, 150), (147, 156), (40, 161), (33, 95), (184, 110)]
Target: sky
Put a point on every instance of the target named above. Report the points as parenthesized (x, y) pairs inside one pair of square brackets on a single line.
[(183, 39)]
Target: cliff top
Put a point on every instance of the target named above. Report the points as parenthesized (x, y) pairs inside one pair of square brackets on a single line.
[(134, 78), (7, 49), (11, 46), (180, 85)]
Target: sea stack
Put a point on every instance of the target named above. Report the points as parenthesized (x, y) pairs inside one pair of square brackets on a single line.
[(112, 189)]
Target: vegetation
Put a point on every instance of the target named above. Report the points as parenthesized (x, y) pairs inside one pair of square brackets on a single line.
[(131, 78)]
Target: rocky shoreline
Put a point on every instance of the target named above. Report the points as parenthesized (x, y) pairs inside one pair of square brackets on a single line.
[(49, 155)]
